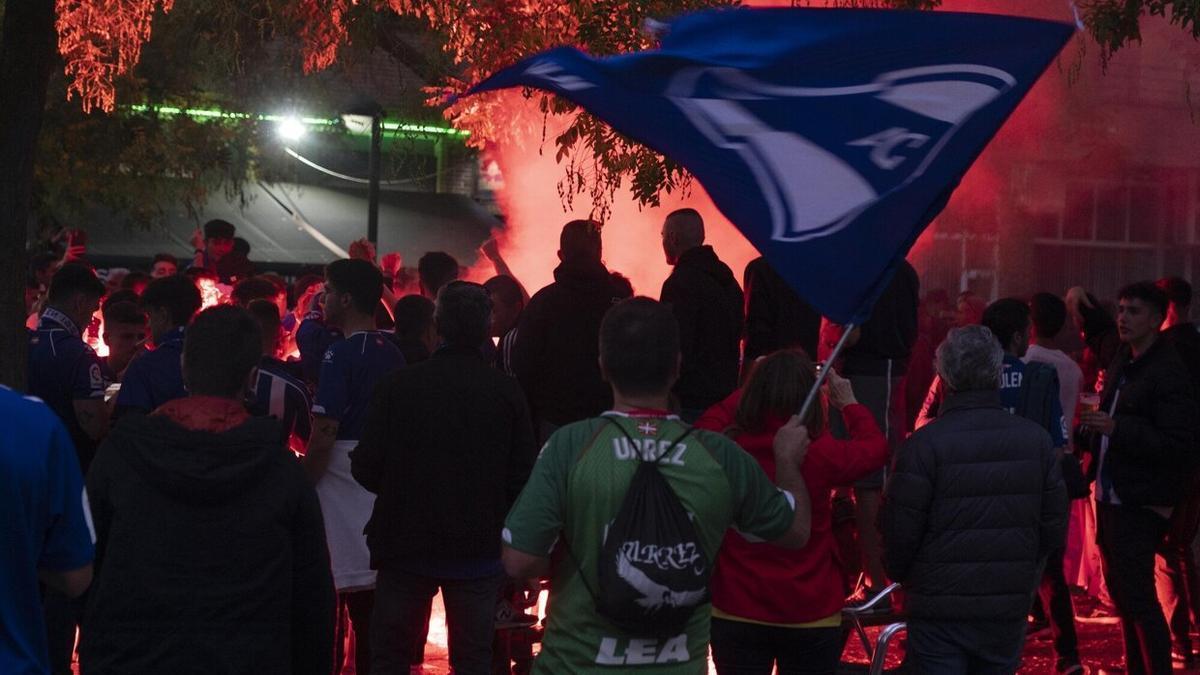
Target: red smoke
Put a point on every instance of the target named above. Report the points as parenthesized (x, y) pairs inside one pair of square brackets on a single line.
[(632, 245)]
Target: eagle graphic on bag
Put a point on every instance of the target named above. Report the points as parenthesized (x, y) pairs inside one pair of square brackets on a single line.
[(653, 570)]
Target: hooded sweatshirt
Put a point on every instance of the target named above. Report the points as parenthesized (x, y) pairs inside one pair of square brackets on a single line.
[(555, 356), (705, 298), (211, 554)]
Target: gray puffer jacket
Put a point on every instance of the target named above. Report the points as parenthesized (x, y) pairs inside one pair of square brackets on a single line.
[(974, 506)]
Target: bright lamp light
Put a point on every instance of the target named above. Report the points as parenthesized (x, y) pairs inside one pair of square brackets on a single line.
[(291, 129)]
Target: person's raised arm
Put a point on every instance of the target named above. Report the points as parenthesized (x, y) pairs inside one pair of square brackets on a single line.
[(791, 445)]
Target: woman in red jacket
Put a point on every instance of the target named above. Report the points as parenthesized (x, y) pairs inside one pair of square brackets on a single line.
[(773, 605)]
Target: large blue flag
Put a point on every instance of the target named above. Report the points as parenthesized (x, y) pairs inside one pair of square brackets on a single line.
[(829, 137)]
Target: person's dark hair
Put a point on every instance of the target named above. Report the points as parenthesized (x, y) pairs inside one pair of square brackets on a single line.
[(221, 346), (130, 281), (413, 315), (1049, 313), (241, 246), (359, 279), (177, 294), (1147, 292), (219, 229), (41, 261), (462, 313), (266, 313), (775, 390), (123, 295), (123, 312), (580, 239), (165, 257), (1005, 317), (253, 288), (72, 279), (1179, 291), (639, 346), (504, 289), (436, 269), (622, 286), (302, 284)]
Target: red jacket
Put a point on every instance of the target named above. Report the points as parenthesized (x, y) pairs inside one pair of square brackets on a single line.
[(766, 583)]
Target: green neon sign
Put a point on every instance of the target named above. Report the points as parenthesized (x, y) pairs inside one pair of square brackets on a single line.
[(399, 128)]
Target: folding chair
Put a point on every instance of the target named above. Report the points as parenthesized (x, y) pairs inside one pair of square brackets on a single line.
[(865, 615)]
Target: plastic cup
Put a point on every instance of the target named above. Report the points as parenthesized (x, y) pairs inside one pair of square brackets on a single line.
[(1089, 402)]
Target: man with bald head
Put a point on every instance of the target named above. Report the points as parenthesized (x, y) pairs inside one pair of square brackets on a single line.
[(706, 300)]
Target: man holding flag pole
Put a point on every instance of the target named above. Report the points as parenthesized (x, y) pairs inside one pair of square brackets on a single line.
[(829, 137)]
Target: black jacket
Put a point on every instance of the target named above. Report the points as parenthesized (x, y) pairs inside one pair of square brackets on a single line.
[(891, 330), (707, 301), (973, 508), (1152, 452), (776, 318), (555, 356), (447, 447), (1186, 340), (211, 554)]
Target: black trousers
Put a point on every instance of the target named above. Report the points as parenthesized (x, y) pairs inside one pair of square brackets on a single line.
[(1054, 602), (63, 616), (401, 602), (1128, 537), (1177, 575), (958, 647), (354, 610), (740, 648)]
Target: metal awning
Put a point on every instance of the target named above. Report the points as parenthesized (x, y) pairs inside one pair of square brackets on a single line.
[(275, 221)]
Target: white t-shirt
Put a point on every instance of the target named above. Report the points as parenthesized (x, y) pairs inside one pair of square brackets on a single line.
[(1070, 378)]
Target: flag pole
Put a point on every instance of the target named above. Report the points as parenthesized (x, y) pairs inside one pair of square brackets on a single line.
[(824, 371)]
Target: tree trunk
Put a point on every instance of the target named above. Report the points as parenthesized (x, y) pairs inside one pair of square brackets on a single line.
[(27, 53)]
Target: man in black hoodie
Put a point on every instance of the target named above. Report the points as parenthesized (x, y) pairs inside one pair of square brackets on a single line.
[(556, 354), (706, 300), (210, 553)]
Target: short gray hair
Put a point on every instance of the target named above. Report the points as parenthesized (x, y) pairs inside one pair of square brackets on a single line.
[(970, 359)]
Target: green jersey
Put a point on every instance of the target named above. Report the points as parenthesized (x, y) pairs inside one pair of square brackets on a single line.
[(575, 491)]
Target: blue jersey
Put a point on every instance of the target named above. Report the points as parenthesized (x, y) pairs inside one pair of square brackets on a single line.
[(154, 377), (1011, 378), (279, 394), (313, 339), (64, 369), (349, 372), (45, 524)]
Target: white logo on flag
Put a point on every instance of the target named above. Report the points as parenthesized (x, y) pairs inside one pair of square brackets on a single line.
[(555, 75), (811, 191)]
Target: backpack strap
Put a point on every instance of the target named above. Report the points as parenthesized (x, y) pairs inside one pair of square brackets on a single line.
[(667, 452)]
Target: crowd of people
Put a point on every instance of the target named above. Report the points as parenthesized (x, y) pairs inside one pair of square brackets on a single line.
[(263, 475)]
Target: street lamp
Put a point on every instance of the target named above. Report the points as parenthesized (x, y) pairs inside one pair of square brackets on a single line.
[(290, 129), (363, 115)]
